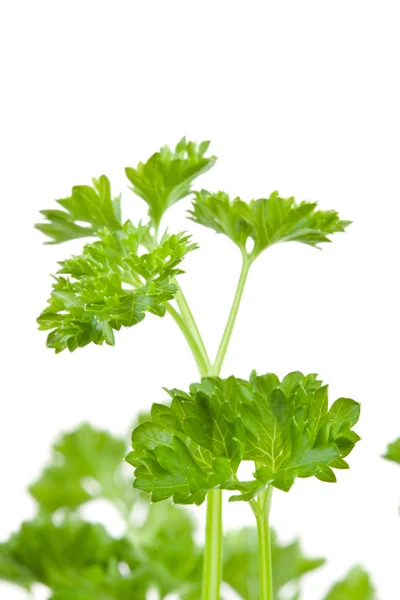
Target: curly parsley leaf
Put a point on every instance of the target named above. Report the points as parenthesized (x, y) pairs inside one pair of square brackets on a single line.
[(111, 285), (355, 586), (265, 221), (167, 175), (92, 205), (286, 427), (241, 565), (86, 464)]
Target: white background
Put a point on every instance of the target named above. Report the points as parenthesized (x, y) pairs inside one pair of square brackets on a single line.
[(296, 96)]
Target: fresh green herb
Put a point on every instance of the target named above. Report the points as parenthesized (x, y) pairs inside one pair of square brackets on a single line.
[(198, 443), (110, 286), (194, 447)]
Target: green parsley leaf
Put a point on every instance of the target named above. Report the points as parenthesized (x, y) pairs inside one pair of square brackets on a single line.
[(355, 586), (91, 205), (285, 427), (241, 563), (393, 451), (167, 175), (86, 464), (266, 221), (111, 285)]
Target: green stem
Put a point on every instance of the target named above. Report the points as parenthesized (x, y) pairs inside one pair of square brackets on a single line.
[(261, 508), (183, 326), (223, 347), (212, 569), (187, 315)]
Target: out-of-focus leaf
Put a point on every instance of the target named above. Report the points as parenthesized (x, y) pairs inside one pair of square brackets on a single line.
[(393, 451), (60, 555), (241, 567), (13, 570), (167, 536), (86, 464), (166, 539), (355, 586), (167, 175)]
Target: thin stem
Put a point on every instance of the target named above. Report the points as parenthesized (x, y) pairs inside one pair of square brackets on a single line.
[(212, 569), (261, 508), (223, 347), (187, 315), (187, 332)]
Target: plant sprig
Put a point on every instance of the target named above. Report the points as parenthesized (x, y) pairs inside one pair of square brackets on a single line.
[(194, 447)]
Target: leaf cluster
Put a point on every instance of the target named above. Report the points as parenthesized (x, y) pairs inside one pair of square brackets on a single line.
[(198, 442), (112, 284), (265, 221), (127, 272)]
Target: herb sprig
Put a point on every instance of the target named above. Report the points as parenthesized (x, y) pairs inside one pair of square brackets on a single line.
[(192, 449)]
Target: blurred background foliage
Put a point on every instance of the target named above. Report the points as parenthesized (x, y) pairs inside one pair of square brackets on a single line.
[(80, 560)]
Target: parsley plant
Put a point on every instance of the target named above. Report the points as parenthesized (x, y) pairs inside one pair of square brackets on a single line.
[(191, 449)]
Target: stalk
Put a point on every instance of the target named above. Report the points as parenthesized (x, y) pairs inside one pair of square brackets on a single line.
[(212, 569), (223, 347), (187, 315), (201, 362), (261, 508)]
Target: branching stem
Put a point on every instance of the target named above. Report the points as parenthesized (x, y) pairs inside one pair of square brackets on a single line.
[(212, 566)]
